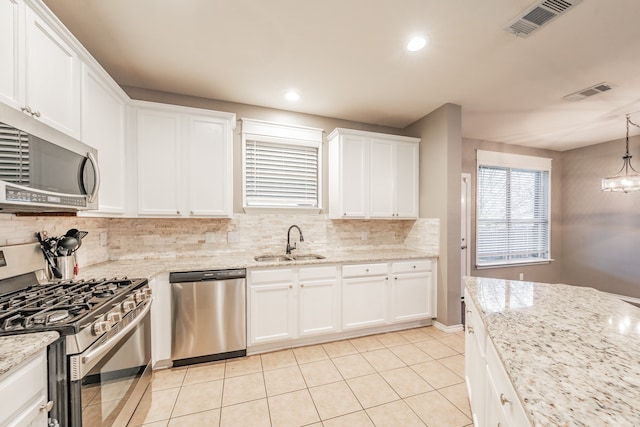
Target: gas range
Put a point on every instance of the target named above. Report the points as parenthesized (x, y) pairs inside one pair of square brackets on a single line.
[(100, 367), (81, 310)]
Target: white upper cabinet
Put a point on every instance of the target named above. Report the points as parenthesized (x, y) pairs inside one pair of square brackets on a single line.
[(372, 175), (41, 71), (103, 127), (184, 161)]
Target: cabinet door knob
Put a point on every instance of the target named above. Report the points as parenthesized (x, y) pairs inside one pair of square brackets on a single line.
[(27, 110), (36, 113), (47, 406), (503, 399), (414, 266), (367, 270), (470, 329), (302, 285), (290, 286)]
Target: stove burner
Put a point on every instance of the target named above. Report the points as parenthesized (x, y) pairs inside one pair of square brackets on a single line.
[(49, 317), (107, 287)]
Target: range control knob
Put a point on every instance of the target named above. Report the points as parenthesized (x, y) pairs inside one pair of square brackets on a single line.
[(128, 305), (100, 327), (114, 317), (139, 297), (147, 292)]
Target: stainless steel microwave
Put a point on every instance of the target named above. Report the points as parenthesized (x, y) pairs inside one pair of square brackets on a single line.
[(37, 175)]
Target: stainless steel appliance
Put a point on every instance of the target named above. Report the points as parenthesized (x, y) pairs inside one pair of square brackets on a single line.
[(37, 175), (100, 367), (209, 315)]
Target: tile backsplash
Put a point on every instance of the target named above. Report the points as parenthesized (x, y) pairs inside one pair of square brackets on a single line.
[(139, 238)]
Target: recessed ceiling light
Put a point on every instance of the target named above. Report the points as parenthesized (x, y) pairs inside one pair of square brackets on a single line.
[(417, 43), (292, 95)]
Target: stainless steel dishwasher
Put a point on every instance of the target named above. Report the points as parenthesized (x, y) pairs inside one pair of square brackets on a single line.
[(208, 315)]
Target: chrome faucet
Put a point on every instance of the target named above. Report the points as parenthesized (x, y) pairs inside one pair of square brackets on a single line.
[(289, 247)]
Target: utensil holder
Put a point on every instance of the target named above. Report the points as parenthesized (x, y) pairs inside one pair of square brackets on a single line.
[(66, 266)]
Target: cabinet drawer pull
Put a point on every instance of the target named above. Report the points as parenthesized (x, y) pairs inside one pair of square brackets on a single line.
[(302, 285), (469, 311), (290, 286), (470, 329), (503, 399), (47, 406), (367, 270), (414, 267)]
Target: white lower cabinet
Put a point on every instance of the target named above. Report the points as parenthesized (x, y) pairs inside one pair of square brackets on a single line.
[(492, 397), (412, 290), (24, 393), (289, 303), (364, 295)]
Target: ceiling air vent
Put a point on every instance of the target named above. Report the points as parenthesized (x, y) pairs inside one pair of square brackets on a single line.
[(538, 15), (590, 91)]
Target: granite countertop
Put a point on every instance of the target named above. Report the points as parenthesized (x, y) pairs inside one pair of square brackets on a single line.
[(572, 353), (15, 349), (153, 266)]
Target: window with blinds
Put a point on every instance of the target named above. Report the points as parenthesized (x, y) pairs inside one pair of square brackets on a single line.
[(513, 209), (281, 166)]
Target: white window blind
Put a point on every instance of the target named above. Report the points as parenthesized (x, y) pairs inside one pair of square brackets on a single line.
[(513, 209), (281, 166)]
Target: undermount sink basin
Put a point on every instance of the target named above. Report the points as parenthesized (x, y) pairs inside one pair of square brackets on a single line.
[(273, 258), (307, 257)]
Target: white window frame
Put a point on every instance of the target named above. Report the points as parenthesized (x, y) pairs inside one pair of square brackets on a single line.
[(281, 134), (512, 161)]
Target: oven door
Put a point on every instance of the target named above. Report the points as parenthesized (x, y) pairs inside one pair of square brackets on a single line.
[(109, 379)]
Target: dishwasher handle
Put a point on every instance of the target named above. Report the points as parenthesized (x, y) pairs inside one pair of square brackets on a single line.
[(207, 275)]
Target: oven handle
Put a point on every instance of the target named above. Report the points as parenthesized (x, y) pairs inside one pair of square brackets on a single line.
[(111, 342)]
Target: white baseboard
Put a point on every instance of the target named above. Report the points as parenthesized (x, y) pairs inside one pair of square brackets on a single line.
[(447, 329)]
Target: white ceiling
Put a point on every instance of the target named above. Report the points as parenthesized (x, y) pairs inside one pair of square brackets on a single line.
[(347, 59)]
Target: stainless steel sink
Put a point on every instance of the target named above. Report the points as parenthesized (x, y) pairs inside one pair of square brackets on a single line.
[(307, 257), (273, 258)]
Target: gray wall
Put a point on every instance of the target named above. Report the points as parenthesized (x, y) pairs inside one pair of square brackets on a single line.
[(440, 168), (601, 231), (551, 272)]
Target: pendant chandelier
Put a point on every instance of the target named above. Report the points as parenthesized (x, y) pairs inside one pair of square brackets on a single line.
[(623, 181)]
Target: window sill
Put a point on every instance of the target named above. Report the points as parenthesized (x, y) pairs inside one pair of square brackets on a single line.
[(265, 210), (514, 264)]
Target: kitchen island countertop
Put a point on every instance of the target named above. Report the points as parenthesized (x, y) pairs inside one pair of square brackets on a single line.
[(149, 267), (572, 353), (15, 349)]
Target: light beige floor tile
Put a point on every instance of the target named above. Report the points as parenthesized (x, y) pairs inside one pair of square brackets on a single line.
[(333, 400), (406, 382), (155, 406), (164, 423), (353, 365), (198, 397), (372, 390), (434, 332), (415, 335), (457, 394), (167, 378), (243, 366), (254, 414), (284, 380), (394, 414), (292, 409), (204, 419), (205, 372), (278, 359), (454, 341), (310, 353), (392, 339), (367, 343), (410, 354), (243, 388), (320, 372), (356, 419), (383, 360), (436, 349), (435, 410), (454, 363), (436, 374), (339, 348)]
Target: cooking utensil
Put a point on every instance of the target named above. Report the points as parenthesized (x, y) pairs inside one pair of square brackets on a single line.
[(79, 235), (67, 245), (45, 246)]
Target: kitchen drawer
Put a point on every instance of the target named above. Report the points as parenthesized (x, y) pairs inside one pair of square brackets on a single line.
[(313, 273), (21, 387), (277, 275), (411, 266), (502, 393), (364, 270)]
